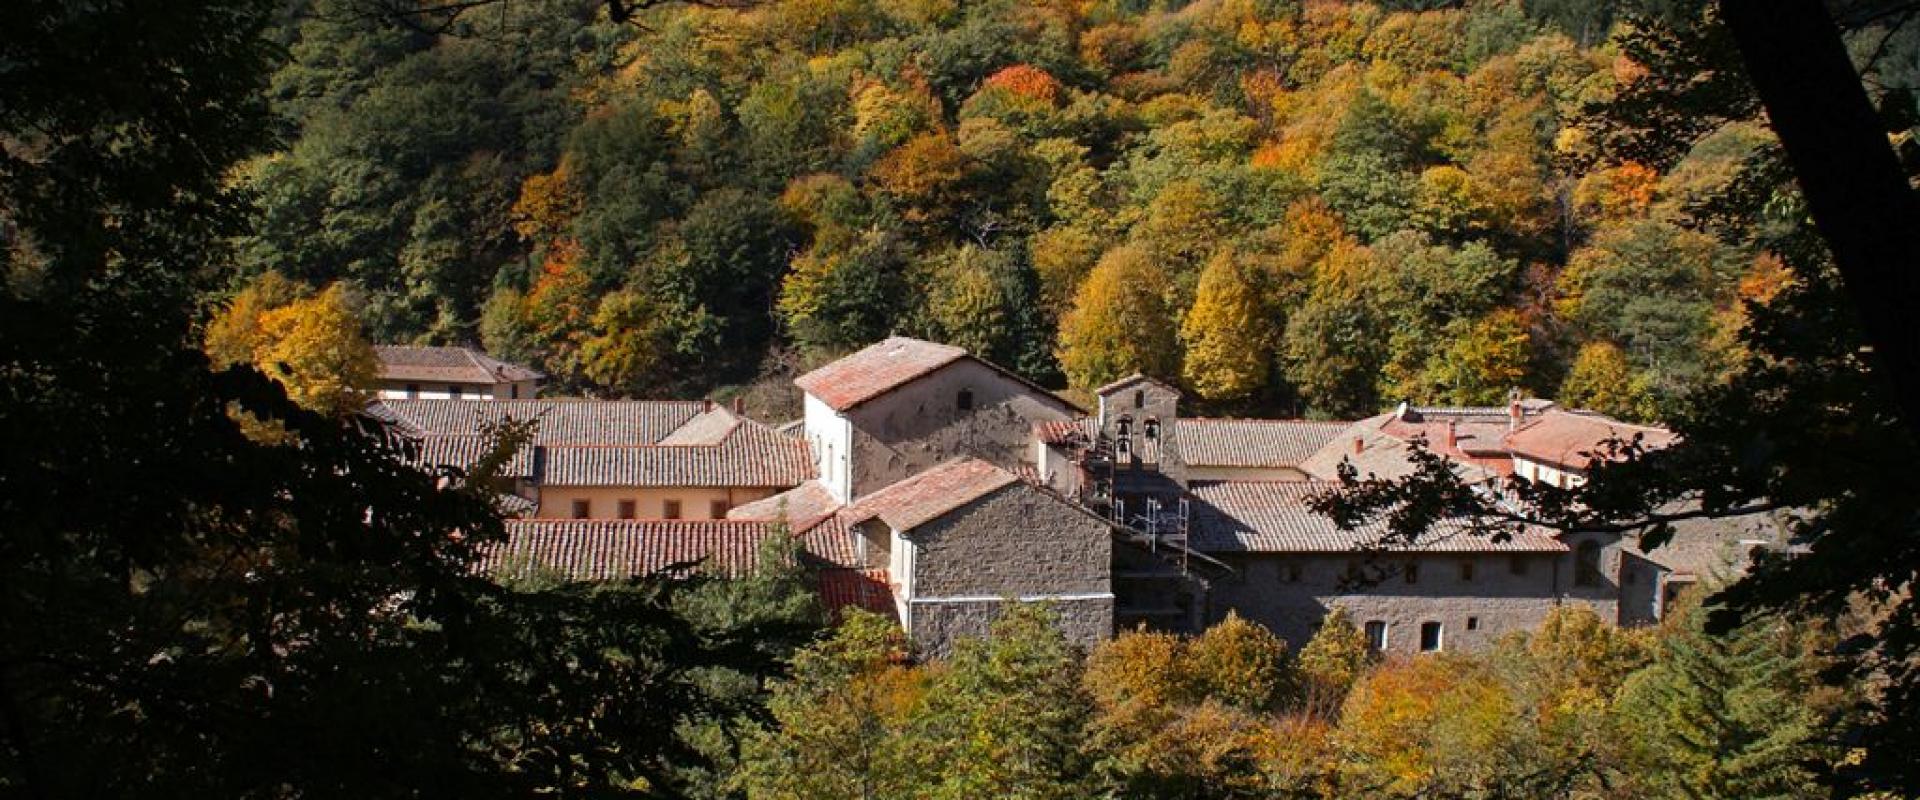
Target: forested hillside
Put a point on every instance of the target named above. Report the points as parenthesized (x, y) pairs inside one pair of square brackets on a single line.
[(1294, 208)]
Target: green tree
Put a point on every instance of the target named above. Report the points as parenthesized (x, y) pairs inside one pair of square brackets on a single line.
[(1601, 379), (1331, 662), (1734, 715)]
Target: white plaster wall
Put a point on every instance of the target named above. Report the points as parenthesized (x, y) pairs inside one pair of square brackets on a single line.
[(831, 435)]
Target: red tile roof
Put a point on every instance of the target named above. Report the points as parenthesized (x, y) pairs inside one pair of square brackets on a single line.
[(744, 453), (1575, 440), (865, 589), (1252, 442), (600, 422), (455, 364), (1273, 517), (800, 506), (876, 370), (617, 549), (929, 495)]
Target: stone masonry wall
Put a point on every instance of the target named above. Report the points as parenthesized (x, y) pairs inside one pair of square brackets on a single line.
[(938, 626), (920, 424), (1473, 613), (1017, 541)]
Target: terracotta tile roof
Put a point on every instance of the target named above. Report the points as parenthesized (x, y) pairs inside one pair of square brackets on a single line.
[(865, 589), (1273, 517), (451, 364), (1252, 442), (876, 370), (1374, 448), (593, 422), (894, 362), (801, 505), (708, 427), (1571, 439), (1066, 431), (602, 550), (462, 451), (747, 454), (925, 497)]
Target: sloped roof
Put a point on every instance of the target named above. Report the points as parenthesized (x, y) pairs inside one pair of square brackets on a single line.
[(881, 367), (1576, 439), (1131, 380), (925, 497), (875, 370), (709, 427), (1252, 442), (1373, 448), (602, 550), (1066, 431), (451, 364), (1273, 517), (865, 589), (591, 422), (723, 450), (800, 505)]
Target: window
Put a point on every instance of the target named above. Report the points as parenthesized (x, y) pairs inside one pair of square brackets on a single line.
[(669, 509), (453, 391), (582, 509), (1120, 448), (1125, 427), (717, 509), (413, 391), (627, 510), (1466, 571), (513, 391), (1411, 572), (1430, 637), (1517, 565), (965, 400), (1586, 565), (1377, 636), (1473, 623), (1152, 429), (1290, 572), (1139, 398)]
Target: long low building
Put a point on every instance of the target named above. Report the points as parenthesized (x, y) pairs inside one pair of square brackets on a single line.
[(625, 459), (936, 487)]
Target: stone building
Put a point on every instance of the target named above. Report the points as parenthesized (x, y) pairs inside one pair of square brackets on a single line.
[(451, 373), (936, 487), (627, 459)]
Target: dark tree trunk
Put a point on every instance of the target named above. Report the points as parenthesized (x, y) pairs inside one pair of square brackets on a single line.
[(1853, 183)]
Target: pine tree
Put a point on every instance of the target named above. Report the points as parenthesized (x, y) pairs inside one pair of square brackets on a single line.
[(1737, 715)]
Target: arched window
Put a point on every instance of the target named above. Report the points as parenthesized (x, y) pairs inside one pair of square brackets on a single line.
[(1139, 398), (1152, 429), (1124, 427), (965, 400), (1121, 448), (1586, 565)]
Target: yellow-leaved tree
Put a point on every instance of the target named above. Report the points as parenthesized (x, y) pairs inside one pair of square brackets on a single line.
[(1226, 333), (1119, 323), (310, 342)]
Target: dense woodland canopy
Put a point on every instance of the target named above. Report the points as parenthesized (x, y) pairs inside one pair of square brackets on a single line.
[(1292, 207)]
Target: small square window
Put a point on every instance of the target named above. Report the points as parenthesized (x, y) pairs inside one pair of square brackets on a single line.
[(628, 509), (1466, 571), (413, 391), (1473, 623), (965, 400), (513, 391), (1431, 636), (453, 391), (670, 509), (717, 509), (1411, 572), (1517, 565), (582, 509)]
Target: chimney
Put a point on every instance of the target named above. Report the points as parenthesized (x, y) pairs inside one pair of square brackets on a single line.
[(1359, 445), (739, 405), (1452, 442), (1515, 414), (706, 405)]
